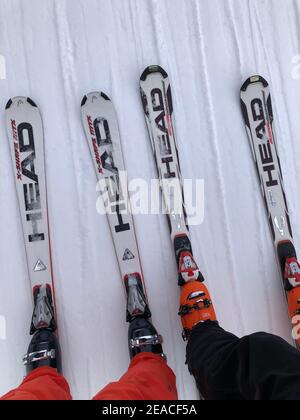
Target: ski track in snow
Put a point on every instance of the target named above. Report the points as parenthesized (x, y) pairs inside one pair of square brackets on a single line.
[(66, 56), (56, 51), (231, 17)]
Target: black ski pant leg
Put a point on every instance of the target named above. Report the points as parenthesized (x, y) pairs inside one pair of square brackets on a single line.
[(257, 367)]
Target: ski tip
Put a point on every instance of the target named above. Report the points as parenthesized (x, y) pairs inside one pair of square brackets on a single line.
[(9, 104), (18, 100), (31, 102), (91, 96), (104, 96), (84, 99), (252, 80), (153, 69)]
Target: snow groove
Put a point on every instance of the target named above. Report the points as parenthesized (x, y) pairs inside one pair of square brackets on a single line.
[(295, 12), (235, 36), (70, 85), (158, 30), (133, 10), (24, 49)]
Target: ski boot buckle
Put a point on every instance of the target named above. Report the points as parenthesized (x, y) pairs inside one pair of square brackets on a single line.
[(147, 340), (38, 356)]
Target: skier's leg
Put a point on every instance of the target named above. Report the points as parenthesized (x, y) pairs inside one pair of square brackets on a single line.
[(212, 360), (148, 378), (257, 367), (43, 358), (43, 363), (44, 383), (260, 366)]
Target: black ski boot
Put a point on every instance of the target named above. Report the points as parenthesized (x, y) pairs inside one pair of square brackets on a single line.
[(44, 349), (142, 335)]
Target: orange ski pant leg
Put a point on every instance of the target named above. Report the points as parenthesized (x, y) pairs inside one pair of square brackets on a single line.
[(148, 378), (41, 384)]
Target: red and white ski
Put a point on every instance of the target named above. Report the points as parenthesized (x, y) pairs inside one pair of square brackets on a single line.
[(26, 140), (102, 133)]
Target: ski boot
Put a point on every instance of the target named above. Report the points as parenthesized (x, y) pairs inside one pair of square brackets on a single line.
[(195, 302), (44, 349), (142, 336), (195, 307)]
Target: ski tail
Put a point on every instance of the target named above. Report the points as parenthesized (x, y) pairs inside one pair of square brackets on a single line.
[(43, 315), (137, 304), (26, 140), (257, 112)]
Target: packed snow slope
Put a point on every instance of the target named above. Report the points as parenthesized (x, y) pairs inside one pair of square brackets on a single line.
[(58, 50)]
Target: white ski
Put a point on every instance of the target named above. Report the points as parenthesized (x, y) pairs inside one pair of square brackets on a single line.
[(158, 108), (102, 132), (25, 134), (258, 116)]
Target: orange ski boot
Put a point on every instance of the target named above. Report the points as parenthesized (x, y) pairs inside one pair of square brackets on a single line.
[(195, 306), (195, 302)]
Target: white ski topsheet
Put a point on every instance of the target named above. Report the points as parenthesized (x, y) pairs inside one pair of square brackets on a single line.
[(26, 140), (258, 113), (57, 50), (101, 127), (158, 107)]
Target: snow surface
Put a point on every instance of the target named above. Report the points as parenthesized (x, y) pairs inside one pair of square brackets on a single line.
[(58, 50)]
